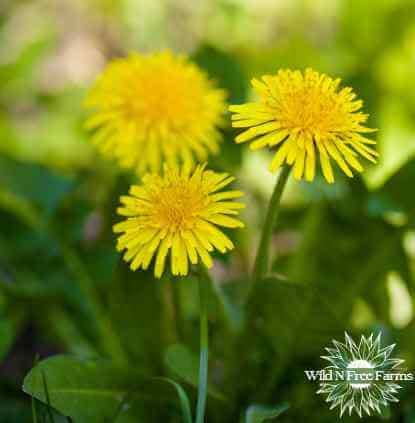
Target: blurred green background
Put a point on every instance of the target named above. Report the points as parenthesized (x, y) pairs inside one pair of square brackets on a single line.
[(344, 253)]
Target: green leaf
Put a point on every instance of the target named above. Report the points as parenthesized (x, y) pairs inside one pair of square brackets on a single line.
[(69, 333), (21, 71), (294, 303), (225, 69), (182, 362), (257, 413), (232, 311), (397, 192), (336, 278), (87, 390), (28, 186), (135, 307), (7, 336), (183, 398), (46, 393)]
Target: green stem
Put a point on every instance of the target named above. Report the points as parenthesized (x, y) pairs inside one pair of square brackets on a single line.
[(204, 349), (262, 257)]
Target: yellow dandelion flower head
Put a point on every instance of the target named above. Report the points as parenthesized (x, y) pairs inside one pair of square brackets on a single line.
[(306, 116), (151, 109), (179, 213)]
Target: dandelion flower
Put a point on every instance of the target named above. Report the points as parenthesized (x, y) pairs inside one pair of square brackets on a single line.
[(178, 213), (306, 116), (151, 109)]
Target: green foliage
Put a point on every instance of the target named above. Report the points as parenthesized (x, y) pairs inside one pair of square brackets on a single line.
[(260, 413), (393, 196), (89, 390), (7, 334), (133, 340), (185, 365), (184, 400), (32, 188), (225, 70)]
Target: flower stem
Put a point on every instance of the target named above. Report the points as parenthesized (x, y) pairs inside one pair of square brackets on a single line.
[(262, 257), (204, 347)]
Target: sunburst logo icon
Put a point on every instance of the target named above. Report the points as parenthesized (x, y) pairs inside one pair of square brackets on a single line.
[(362, 376)]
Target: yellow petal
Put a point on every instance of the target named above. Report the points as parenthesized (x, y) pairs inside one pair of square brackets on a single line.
[(257, 130), (299, 164), (332, 150), (280, 156), (161, 256), (325, 163), (310, 160)]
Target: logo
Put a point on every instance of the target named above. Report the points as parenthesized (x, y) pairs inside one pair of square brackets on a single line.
[(361, 377)]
